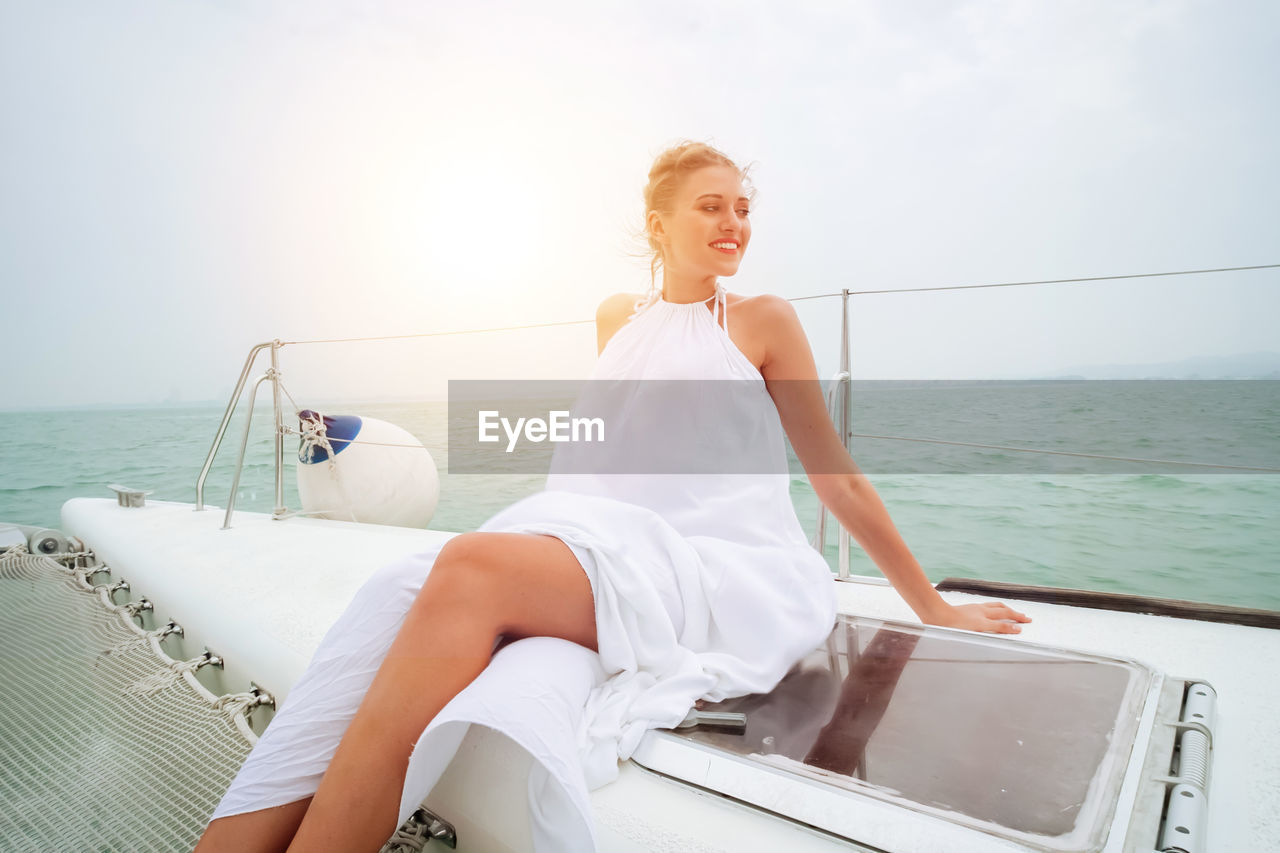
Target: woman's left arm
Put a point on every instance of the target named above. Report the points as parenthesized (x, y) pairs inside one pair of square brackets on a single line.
[(792, 379)]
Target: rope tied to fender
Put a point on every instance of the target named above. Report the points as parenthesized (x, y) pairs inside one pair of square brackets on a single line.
[(314, 434)]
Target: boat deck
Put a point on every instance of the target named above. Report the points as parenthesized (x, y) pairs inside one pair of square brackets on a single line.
[(267, 623)]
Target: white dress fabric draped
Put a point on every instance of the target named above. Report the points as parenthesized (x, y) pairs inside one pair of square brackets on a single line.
[(704, 584)]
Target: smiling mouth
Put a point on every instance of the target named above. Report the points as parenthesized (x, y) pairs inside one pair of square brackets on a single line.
[(729, 248)]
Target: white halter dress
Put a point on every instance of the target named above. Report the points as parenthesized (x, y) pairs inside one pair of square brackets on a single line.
[(704, 587)]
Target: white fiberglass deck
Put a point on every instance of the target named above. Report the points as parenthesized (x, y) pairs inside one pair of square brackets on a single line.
[(263, 593)]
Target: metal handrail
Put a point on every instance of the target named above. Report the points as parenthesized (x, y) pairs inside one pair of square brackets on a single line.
[(273, 375), (278, 428), (838, 406)]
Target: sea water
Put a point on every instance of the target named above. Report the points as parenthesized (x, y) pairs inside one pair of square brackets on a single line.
[(1125, 527)]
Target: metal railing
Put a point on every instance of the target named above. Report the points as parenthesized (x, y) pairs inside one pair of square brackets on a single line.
[(839, 402), (272, 375), (838, 406)]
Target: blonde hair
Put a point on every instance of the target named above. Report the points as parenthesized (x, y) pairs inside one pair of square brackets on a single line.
[(665, 179)]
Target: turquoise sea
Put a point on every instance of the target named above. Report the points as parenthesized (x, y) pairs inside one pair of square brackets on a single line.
[(1212, 537)]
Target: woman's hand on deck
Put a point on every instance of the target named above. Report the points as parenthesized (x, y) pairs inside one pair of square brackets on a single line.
[(991, 617)]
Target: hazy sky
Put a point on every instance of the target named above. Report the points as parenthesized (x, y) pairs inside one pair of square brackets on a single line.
[(181, 180)]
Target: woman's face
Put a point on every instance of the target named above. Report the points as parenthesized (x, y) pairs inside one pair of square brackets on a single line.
[(708, 231)]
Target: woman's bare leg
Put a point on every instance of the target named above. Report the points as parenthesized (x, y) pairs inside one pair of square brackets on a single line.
[(263, 831), (482, 585), (375, 614)]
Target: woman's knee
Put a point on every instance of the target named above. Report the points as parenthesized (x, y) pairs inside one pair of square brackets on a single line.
[(465, 568), (465, 548), (520, 584)]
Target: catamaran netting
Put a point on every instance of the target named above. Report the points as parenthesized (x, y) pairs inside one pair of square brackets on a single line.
[(109, 744)]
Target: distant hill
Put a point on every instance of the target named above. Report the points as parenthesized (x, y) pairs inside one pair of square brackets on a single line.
[(1255, 365)]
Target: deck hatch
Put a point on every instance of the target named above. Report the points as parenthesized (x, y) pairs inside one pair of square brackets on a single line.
[(1007, 737)]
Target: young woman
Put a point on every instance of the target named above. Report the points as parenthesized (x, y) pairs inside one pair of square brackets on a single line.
[(705, 583)]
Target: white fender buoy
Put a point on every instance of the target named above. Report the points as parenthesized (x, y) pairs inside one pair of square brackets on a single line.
[(354, 468)]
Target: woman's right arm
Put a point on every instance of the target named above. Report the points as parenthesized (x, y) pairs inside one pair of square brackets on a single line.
[(792, 379)]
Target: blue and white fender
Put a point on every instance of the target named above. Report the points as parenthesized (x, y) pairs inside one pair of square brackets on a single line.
[(354, 468)]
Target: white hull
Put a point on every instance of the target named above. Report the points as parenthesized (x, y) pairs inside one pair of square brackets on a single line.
[(262, 593)]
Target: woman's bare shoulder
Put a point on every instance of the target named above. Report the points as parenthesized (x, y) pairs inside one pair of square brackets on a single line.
[(774, 338), (765, 305), (766, 315), (612, 314), (618, 303)]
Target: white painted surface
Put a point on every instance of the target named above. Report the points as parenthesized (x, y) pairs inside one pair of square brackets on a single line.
[(263, 593)]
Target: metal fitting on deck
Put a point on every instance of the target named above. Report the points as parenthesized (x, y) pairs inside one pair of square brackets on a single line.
[(126, 496)]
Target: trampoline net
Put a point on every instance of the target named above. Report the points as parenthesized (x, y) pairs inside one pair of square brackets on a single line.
[(105, 744)]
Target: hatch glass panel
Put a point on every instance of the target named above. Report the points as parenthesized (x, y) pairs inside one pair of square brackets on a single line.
[(1023, 741)]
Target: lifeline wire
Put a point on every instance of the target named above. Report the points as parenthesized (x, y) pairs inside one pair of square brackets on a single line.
[(289, 430), (1064, 281), (440, 334), (1262, 469), (802, 298), (1068, 453)]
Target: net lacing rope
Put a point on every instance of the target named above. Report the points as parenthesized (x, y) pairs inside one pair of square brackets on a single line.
[(83, 681), (412, 836), (158, 681), (239, 704), (94, 703)]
